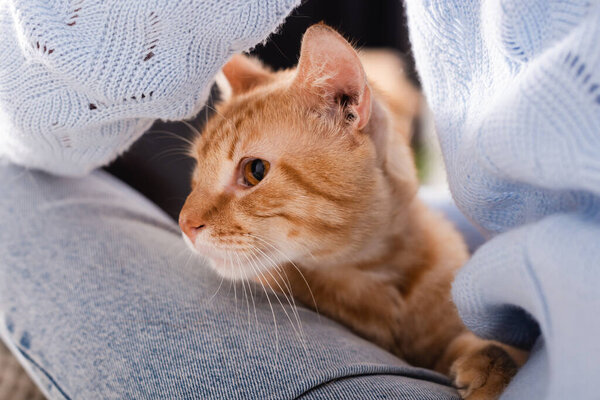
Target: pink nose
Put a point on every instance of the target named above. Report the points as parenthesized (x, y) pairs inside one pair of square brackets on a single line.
[(190, 226)]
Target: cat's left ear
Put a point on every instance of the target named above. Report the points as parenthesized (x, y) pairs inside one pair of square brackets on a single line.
[(330, 68), (241, 74)]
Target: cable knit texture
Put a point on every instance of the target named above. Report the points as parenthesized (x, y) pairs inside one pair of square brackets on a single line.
[(515, 89), (80, 80)]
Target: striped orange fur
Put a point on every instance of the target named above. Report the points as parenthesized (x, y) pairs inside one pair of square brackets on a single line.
[(336, 211)]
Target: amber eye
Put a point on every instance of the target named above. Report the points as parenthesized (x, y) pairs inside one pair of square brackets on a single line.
[(255, 170)]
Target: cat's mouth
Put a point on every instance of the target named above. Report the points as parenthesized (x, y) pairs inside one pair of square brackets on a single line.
[(234, 263)]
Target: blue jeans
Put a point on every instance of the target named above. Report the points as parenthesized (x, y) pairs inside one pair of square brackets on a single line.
[(100, 299)]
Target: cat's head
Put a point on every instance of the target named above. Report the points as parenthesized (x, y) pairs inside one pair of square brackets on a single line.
[(301, 165)]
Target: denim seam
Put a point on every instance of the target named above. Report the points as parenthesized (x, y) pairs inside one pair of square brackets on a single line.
[(43, 370), (405, 374)]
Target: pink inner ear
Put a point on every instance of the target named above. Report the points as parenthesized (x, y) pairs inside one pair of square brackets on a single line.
[(331, 67), (244, 73)]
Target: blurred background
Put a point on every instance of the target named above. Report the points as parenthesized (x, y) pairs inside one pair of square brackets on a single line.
[(157, 166)]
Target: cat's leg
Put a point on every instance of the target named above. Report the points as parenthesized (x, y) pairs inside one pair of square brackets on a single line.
[(481, 369)]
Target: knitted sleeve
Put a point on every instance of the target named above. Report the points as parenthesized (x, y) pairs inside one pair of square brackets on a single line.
[(80, 80), (515, 89)]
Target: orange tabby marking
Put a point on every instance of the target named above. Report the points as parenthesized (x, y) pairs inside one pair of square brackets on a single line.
[(309, 165)]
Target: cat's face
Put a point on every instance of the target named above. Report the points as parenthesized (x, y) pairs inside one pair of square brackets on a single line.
[(287, 169)]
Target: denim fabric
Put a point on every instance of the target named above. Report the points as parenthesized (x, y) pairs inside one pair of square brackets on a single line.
[(379, 387), (100, 299)]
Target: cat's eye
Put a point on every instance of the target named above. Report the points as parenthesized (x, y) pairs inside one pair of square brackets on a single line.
[(254, 170)]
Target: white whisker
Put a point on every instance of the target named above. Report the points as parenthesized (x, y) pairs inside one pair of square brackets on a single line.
[(172, 134), (188, 260), (300, 332), (191, 127), (215, 293), (226, 119), (293, 264), (241, 269), (233, 282), (292, 302), (260, 271), (270, 305), (250, 290)]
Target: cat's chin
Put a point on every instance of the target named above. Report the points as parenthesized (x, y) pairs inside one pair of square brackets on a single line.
[(228, 270)]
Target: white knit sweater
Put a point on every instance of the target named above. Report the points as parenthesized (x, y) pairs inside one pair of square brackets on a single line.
[(514, 86), (80, 80)]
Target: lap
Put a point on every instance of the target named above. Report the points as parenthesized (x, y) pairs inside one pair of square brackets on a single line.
[(100, 298)]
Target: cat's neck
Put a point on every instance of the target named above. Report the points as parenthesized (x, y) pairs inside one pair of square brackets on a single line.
[(407, 241)]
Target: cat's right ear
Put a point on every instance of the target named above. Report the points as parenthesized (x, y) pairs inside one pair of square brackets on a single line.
[(240, 74), (330, 71)]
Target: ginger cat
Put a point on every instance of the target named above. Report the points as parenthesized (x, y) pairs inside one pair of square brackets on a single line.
[(310, 166)]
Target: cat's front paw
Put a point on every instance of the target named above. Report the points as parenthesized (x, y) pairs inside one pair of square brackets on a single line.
[(483, 374)]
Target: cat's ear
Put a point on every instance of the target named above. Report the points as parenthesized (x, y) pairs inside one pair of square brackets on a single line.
[(242, 73), (330, 68)]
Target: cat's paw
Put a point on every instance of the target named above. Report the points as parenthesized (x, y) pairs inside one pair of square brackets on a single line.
[(483, 374)]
